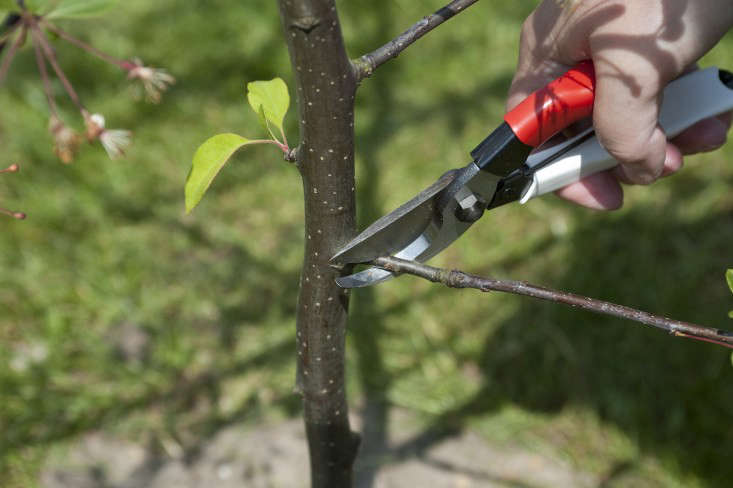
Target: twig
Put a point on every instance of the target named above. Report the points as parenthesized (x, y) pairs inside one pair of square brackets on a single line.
[(11, 53), (126, 65), (366, 64), (39, 37), (459, 279), (40, 60), (7, 27)]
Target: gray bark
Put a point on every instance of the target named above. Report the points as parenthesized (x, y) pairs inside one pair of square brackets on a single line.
[(325, 87)]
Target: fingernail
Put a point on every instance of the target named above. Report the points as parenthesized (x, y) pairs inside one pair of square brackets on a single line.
[(672, 160), (716, 133)]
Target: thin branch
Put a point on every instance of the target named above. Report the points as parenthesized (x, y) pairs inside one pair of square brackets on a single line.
[(366, 64), (7, 28), (459, 279), (126, 65), (5, 66), (41, 61), (39, 37)]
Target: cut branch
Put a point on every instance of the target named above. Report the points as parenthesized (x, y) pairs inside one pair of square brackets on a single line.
[(366, 64), (459, 279)]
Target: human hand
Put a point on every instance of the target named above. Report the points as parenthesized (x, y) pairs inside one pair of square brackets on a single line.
[(637, 47)]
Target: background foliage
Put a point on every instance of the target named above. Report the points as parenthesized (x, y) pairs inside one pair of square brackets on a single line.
[(117, 311)]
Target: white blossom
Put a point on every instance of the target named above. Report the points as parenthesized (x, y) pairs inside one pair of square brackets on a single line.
[(155, 81), (114, 141), (65, 140)]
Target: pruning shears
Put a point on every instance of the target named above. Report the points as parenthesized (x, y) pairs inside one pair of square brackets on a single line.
[(512, 164)]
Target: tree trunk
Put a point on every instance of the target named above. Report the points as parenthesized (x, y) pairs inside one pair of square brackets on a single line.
[(325, 89)]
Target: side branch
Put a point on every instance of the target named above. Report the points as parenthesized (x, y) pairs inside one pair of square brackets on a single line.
[(366, 64), (459, 279)]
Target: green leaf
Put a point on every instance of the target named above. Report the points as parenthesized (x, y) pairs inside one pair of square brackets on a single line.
[(210, 157), (74, 9), (263, 122), (272, 96)]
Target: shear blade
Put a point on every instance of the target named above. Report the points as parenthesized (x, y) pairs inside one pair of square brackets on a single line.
[(396, 230), (418, 230), (368, 277)]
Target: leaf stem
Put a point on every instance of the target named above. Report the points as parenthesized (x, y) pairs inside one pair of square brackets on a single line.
[(285, 140), (279, 144)]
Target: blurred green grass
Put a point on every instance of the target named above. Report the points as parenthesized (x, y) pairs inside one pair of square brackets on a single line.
[(106, 250)]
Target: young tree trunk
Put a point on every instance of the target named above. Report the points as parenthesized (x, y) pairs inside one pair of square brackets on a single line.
[(325, 89)]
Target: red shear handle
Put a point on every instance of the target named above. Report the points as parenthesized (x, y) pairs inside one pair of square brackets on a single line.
[(554, 107)]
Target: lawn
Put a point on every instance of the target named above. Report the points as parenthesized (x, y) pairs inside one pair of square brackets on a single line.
[(119, 312)]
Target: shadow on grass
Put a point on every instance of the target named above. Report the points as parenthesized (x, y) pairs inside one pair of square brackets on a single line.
[(366, 317), (671, 396)]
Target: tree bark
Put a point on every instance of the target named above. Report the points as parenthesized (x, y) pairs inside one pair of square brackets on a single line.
[(325, 89)]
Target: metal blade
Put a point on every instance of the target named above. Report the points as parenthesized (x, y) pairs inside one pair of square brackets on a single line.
[(368, 277), (372, 275), (396, 230), (427, 224), (434, 219)]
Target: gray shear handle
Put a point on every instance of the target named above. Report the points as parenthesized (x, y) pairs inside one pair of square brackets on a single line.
[(687, 100)]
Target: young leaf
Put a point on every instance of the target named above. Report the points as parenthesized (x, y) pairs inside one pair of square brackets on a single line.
[(263, 122), (74, 9), (272, 96), (210, 157)]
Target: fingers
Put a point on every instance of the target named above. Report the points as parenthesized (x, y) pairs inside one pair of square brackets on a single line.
[(706, 135), (637, 48), (536, 66), (600, 191), (672, 160), (626, 113), (529, 78)]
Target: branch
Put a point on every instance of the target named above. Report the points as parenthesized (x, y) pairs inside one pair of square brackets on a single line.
[(459, 279), (48, 51), (325, 84), (87, 47), (17, 43), (41, 61), (366, 64)]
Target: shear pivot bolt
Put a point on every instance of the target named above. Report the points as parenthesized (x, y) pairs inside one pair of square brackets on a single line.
[(470, 209)]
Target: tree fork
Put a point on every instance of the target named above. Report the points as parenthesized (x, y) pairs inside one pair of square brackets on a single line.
[(325, 89)]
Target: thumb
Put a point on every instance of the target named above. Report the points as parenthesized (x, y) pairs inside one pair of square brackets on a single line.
[(531, 77), (625, 116)]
